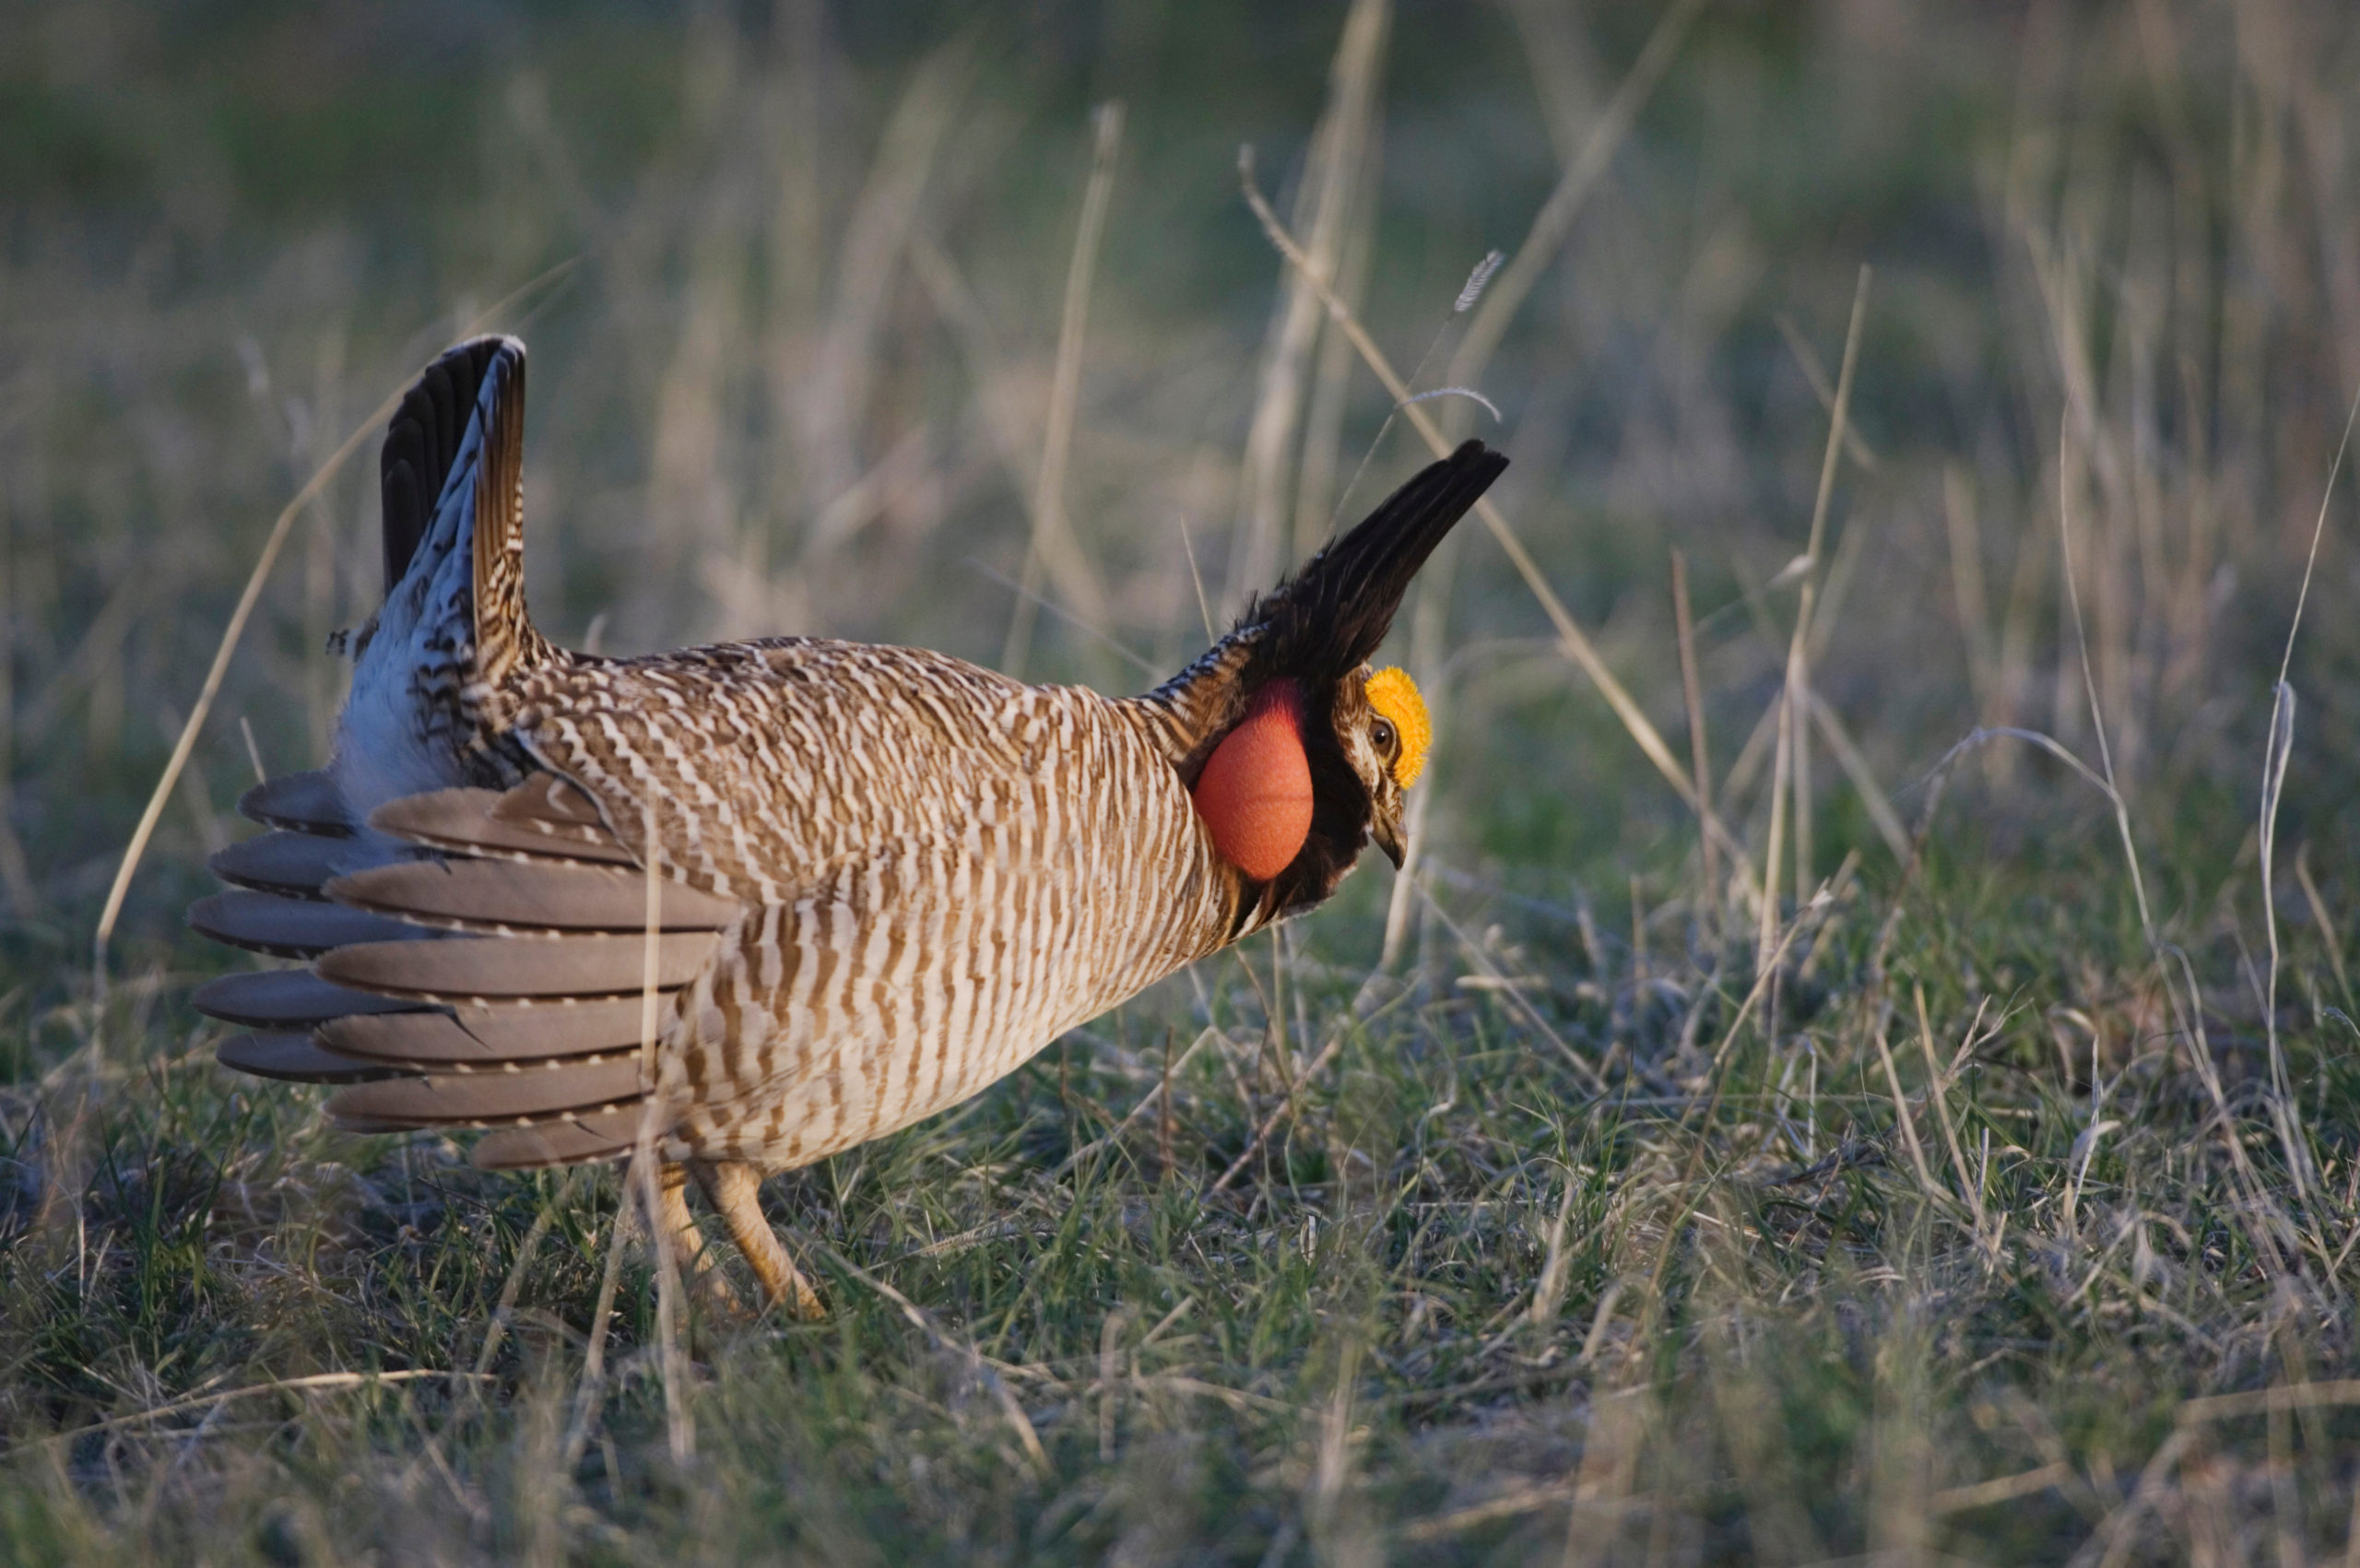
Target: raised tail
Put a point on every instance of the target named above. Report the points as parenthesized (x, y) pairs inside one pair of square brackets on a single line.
[(423, 442), (339, 881), (454, 623)]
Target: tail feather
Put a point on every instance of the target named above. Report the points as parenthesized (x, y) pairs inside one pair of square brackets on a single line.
[(486, 1039), (454, 539), (422, 444), (493, 898), (534, 1021), (470, 970), (503, 826)]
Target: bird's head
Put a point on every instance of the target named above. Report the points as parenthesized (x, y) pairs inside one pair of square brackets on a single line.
[(1382, 723), (1309, 752)]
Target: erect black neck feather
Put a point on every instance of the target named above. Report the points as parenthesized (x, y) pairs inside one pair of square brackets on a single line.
[(1324, 621)]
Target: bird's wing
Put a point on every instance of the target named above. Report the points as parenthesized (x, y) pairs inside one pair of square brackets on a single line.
[(493, 974)]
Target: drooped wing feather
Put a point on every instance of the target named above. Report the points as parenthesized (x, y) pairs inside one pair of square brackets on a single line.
[(303, 803), (527, 1010)]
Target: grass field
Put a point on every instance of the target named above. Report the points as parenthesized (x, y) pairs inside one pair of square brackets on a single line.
[(1954, 1152)]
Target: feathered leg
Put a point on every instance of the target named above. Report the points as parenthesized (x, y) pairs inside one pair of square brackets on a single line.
[(734, 1188)]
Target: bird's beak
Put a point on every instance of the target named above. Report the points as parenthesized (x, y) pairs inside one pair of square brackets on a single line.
[(1390, 839)]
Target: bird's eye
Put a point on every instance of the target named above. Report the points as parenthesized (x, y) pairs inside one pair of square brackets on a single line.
[(1382, 733)]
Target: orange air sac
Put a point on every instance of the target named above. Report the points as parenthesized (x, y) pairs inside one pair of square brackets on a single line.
[(1255, 791)]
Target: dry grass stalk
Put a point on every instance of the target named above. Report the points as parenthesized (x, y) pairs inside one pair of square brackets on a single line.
[(1554, 221), (2065, 468), (1790, 771), (1052, 543), (1908, 1124), (1856, 767), (590, 1389), (2325, 920), (2279, 750), (1855, 446), (832, 393), (642, 1175), (1575, 643), (1692, 691), (230, 636), (1316, 502), (1333, 173), (2001, 1489), (1938, 1091), (318, 1382)]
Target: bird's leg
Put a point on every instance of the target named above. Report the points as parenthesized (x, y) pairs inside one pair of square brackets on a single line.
[(734, 1188), (686, 1243)]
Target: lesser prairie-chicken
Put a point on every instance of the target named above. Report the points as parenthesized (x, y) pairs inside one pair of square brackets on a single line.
[(884, 876)]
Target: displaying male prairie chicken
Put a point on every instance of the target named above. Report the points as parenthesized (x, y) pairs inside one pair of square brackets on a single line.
[(882, 878)]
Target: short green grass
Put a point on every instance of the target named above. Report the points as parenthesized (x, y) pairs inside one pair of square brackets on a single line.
[(1462, 1306), (1991, 1221)]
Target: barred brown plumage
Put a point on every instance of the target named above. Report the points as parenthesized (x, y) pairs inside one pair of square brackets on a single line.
[(884, 876)]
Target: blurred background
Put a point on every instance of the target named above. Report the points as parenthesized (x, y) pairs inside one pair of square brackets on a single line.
[(955, 325), (795, 279)]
